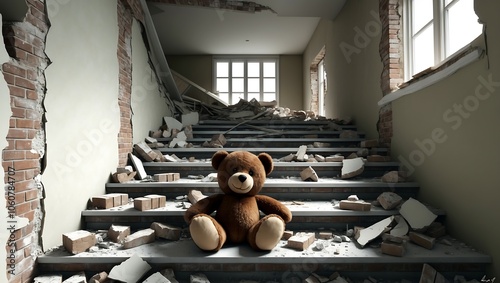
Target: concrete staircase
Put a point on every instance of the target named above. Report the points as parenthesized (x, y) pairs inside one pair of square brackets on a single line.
[(310, 202)]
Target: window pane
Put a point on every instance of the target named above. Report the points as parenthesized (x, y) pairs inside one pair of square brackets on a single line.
[(269, 69), (254, 85), (224, 96), (423, 50), (254, 95), (236, 97), (222, 69), (238, 85), (269, 85), (422, 14), (222, 85), (462, 25), (253, 69), (238, 69), (269, 96)]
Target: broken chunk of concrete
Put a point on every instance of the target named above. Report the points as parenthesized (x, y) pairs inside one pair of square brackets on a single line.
[(301, 241), (77, 278), (389, 200), (358, 205), (78, 241), (117, 233), (166, 231), (363, 236), (353, 198), (300, 155), (48, 278), (422, 240), (219, 139), (191, 118), (417, 214), (401, 227), (194, 196), (179, 140), (287, 158), (139, 238), (325, 235), (172, 123), (131, 270), (392, 177), (156, 277), (319, 158), (141, 173), (309, 174), (352, 167)]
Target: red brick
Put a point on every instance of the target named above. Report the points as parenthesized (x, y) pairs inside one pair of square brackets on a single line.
[(17, 134), (15, 70), (31, 194), (18, 112), (23, 144), (22, 82), (24, 123), (26, 164), (23, 208), (13, 154)]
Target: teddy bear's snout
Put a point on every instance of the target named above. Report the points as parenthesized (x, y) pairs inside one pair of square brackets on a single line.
[(240, 183), (242, 178)]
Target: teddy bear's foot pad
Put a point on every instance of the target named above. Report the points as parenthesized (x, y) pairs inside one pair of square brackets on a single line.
[(269, 233), (204, 233)]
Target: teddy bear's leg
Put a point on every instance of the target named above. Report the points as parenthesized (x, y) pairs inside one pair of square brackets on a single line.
[(207, 233), (266, 233)]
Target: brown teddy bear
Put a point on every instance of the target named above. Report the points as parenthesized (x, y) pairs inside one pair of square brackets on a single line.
[(241, 176)]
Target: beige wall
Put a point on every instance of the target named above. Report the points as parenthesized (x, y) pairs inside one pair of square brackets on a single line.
[(448, 135), (148, 106), (199, 70), (352, 62)]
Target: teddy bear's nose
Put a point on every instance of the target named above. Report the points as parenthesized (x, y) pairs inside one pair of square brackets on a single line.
[(242, 178)]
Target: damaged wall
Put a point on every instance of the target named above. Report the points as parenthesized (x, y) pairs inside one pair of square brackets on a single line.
[(148, 105), (352, 63), (447, 136), (81, 110)]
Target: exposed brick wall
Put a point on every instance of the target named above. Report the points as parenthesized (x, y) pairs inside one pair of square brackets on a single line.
[(22, 158), (391, 54), (314, 80), (127, 10)]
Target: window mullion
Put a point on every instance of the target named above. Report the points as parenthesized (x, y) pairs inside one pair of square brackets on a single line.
[(439, 31), (230, 81)]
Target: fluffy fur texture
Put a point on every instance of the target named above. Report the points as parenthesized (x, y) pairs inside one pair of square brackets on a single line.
[(241, 176)]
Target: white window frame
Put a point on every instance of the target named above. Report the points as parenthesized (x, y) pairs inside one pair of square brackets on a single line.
[(439, 32), (246, 59), (321, 87)]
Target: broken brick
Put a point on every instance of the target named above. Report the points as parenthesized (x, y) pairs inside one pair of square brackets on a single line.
[(78, 241), (309, 174), (301, 241), (118, 233), (166, 231), (389, 200), (139, 238), (422, 240), (142, 203), (394, 249), (157, 201), (358, 205), (145, 151)]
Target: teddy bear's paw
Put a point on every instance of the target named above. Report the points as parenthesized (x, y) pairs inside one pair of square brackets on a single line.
[(270, 232), (204, 233)]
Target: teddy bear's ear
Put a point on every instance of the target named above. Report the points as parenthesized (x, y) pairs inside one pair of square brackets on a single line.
[(267, 161), (218, 157)]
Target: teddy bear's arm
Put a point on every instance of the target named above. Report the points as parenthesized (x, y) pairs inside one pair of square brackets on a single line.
[(206, 206), (269, 205)]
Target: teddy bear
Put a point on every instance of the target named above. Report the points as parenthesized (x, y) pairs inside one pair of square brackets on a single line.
[(241, 176)]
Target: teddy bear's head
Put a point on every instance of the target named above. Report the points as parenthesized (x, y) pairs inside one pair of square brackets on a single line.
[(241, 172)]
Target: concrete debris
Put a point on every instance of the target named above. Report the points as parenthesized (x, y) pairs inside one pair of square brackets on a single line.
[(131, 270), (358, 205), (352, 167), (301, 153), (301, 241), (49, 278), (78, 241), (417, 214), (117, 233), (212, 177), (180, 140), (422, 240), (198, 278), (334, 158), (190, 119), (337, 239), (288, 158), (319, 158), (100, 277), (150, 140), (172, 123), (352, 198), (389, 200), (139, 238), (77, 278), (156, 277), (309, 174), (137, 163), (392, 177), (352, 156), (166, 231), (194, 196), (401, 227), (363, 236)]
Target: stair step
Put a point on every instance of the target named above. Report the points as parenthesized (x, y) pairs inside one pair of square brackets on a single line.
[(235, 262), (310, 214), (276, 142), (284, 189), (275, 152), (281, 169), (282, 134)]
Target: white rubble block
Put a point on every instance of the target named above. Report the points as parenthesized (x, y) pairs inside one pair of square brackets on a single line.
[(172, 123), (389, 200), (50, 278), (212, 177), (301, 152), (368, 234), (353, 198), (139, 167), (401, 228), (131, 270), (417, 214), (156, 278), (195, 196), (309, 174), (77, 278), (198, 278), (352, 167), (190, 119), (179, 140)]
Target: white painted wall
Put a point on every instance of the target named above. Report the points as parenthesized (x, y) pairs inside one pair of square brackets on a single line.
[(5, 114), (148, 105), (81, 110)]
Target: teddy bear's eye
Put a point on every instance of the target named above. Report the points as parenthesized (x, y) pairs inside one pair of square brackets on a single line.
[(250, 173), (235, 169)]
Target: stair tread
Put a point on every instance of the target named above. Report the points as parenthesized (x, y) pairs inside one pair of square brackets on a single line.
[(185, 251), (277, 164), (270, 150), (298, 208)]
